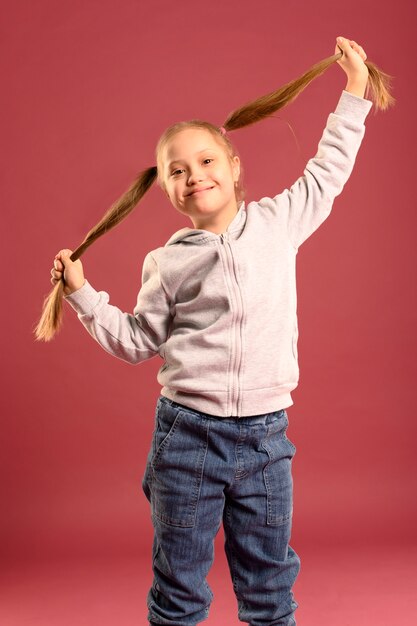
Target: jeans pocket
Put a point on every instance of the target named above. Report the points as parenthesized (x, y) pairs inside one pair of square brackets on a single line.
[(277, 472), (167, 420), (290, 443), (180, 445)]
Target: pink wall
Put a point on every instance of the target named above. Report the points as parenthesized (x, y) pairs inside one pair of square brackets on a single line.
[(88, 88)]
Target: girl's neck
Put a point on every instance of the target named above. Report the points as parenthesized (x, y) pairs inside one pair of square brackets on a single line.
[(217, 224)]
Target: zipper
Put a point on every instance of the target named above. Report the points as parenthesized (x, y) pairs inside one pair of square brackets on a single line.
[(236, 322)]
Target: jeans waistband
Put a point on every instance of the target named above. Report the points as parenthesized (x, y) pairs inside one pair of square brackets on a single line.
[(263, 418)]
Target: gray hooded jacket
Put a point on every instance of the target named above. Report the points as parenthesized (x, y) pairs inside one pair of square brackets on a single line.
[(221, 309)]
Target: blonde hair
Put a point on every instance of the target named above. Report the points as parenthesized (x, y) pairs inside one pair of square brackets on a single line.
[(377, 90)]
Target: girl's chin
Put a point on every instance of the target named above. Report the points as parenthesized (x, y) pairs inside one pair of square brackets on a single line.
[(204, 207)]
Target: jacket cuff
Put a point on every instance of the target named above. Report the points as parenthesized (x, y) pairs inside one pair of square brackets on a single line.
[(353, 107), (84, 299)]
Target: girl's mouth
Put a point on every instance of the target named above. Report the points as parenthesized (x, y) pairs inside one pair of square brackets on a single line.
[(200, 191)]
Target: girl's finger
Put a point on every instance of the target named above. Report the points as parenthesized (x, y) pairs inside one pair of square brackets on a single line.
[(56, 274), (357, 48), (362, 53), (65, 252)]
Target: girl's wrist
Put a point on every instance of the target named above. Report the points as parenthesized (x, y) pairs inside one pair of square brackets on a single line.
[(68, 291), (356, 85)]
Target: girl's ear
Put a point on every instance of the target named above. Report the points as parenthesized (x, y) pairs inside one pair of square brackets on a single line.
[(236, 168)]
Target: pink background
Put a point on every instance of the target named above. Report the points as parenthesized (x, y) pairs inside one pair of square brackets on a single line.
[(88, 87)]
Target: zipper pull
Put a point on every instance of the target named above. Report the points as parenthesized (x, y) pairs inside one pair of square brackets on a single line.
[(223, 237)]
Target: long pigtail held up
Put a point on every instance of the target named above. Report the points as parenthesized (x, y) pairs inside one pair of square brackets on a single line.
[(377, 90), (51, 318)]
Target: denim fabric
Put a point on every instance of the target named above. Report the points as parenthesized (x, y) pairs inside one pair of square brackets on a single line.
[(202, 471)]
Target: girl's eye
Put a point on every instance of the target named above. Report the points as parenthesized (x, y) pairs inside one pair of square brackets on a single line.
[(179, 171)]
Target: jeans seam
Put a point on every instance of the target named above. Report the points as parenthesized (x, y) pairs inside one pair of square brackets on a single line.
[(233, 562)]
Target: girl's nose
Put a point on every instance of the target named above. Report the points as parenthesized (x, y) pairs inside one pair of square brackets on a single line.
[(194, 176)]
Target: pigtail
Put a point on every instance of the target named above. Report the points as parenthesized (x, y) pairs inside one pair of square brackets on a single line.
[(51, 318), (256, 110), (378, 88)]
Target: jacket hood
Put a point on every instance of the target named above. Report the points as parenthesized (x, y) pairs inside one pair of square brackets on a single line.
[(199, 235)]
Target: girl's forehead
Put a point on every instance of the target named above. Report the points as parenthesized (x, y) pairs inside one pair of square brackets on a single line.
[(189, 142)]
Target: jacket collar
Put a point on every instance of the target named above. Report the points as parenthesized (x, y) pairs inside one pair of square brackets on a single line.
[(199, 235)]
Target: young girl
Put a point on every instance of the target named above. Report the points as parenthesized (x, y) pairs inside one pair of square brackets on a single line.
[(218, 304)]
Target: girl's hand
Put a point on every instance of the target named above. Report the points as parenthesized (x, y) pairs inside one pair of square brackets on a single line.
[(71, 271), (353, 60)]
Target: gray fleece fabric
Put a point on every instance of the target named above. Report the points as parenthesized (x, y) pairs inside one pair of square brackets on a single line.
[(221, 309)]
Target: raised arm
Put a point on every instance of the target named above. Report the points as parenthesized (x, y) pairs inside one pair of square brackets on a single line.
[(309, 201)]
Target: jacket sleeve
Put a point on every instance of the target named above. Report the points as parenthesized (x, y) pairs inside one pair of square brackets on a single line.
[(309, 201), (131, 337)]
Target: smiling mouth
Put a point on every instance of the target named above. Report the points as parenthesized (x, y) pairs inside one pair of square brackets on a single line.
[(197, 191)]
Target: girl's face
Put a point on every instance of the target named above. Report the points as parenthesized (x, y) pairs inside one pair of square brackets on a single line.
[(199, 177)]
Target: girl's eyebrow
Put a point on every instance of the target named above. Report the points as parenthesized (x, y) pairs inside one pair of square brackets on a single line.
[(199, 152)]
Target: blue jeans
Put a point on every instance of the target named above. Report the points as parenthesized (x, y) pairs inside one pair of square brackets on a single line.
[(203, 470)]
